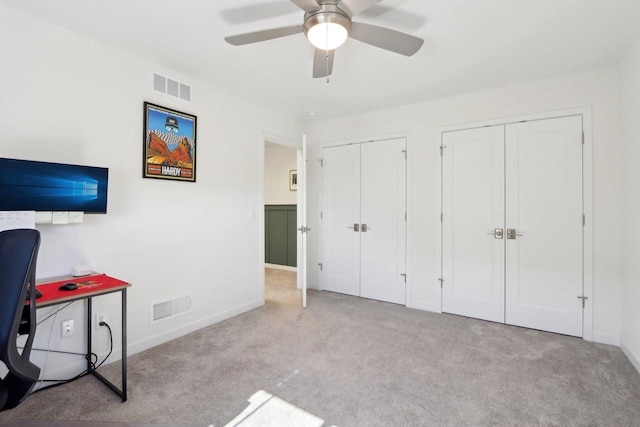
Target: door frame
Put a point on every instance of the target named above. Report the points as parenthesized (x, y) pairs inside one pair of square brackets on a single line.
[(587, 195), (263, 138)]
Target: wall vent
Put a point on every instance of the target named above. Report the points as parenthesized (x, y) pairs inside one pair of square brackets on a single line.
[(171, 87), (163, 310)]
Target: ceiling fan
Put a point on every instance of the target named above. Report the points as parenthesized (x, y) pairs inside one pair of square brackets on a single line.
[(327, 24)]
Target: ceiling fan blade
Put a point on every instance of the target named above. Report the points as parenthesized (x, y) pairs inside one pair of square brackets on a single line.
[(396, 17), (307, 5), (385, 38), (354, 7), (260, 36), (257, 12), (322, 65)]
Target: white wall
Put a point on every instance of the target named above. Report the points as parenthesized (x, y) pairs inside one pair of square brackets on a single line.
[(278, 161), (419, 122), (630, 127), (69, 99)]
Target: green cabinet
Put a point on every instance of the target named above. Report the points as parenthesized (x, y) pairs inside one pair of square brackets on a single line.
[(280, 234)]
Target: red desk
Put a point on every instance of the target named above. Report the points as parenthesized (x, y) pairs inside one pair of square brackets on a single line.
[(88, 288)]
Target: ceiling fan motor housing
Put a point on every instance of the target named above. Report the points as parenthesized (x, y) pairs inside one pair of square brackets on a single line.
[(329, 13)]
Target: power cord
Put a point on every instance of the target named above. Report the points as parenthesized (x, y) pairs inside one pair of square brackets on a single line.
[(51, 314), (46, 359), (103, 323), (85, 372), (62, 352), (54, 313)]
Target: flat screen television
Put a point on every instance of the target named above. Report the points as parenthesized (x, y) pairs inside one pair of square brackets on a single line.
[(27, 185)]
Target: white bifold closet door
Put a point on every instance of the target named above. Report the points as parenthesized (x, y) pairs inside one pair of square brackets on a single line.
[(473, 208), (544, 206), (364, 220), (340, 214), (513, 224)]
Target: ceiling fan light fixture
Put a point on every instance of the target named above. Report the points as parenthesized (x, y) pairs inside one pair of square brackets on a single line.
[(327, 36), (327, 30)]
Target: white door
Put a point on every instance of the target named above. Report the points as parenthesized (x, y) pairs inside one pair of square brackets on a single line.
[(341, 219), (473, 220), (382, 217), (302, 220), (512, 242), (544, 207)]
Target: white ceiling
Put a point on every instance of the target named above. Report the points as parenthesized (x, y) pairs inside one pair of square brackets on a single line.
[(469, 45)]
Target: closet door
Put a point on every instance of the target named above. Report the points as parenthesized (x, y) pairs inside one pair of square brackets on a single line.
[(473, 223), (544, 208), (383, 229), (340, 212)]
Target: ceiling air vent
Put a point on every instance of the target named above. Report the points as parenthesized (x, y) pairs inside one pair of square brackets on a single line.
[(163, 310), (171, 87)]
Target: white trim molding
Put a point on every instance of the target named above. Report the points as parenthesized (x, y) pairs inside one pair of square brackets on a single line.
[(280, 267), (632, 358)]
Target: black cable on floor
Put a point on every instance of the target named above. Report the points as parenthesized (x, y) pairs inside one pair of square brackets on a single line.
[(85, 372)]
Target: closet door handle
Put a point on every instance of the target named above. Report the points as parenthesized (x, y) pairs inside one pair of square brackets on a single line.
[(365, 228), (355, 227), (497, 233), (511, 234)]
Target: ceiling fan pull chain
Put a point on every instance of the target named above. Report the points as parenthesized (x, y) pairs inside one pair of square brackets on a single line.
[(327, 52), (327, 58)]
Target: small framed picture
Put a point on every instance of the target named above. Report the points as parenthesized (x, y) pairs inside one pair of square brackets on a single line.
[(293, 180), (169, 144)]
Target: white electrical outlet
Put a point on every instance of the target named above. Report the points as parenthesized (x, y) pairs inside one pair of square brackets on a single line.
[(67, 328), (102, 317)]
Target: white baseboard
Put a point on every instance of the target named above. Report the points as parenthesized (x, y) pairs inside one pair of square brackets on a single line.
[(69, 370), (280, 267), (169, 335), (423, 305), (604, 338), (632, 357)]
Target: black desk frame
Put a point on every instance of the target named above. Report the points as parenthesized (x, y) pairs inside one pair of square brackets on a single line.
[(90, 369), (122, 393)]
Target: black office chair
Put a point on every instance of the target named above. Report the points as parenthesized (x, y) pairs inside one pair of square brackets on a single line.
[(18, 254)]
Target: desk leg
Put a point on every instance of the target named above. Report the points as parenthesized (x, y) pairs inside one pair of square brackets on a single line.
[(89, 363), (124, 345), (122, 393)]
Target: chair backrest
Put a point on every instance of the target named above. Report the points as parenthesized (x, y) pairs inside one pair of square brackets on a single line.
[(18, 255)]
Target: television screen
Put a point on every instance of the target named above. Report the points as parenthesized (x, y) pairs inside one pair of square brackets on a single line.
[(41, 186)]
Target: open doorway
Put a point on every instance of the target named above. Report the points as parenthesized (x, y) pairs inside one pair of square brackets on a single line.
[(280, 204), (280, 220)]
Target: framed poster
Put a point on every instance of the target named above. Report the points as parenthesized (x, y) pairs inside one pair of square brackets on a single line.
[(169, 144), (293, 180)]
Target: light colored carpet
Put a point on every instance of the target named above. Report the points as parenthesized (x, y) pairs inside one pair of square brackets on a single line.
[(266, 410), (357, 362)]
